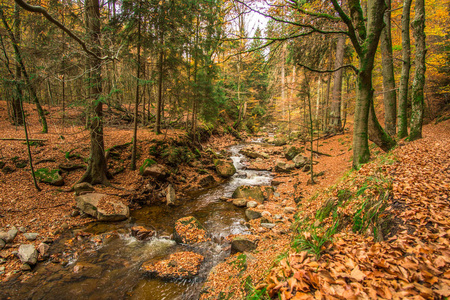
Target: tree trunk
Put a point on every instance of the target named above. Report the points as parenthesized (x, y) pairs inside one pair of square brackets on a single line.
[(136, 108), (387, 70), (335, 111), (406, 65), (96, 172), (417, 106), (17, 95), (361, 152), (159, 101)]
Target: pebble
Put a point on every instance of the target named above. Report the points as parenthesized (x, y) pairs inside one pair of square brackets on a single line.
[(22, 229), (289, 210), (278, 217), (75, 213), (252, 204), (261, 206), (266, 214), (31, 236), (276, 194), (268, 225), (2, 244)]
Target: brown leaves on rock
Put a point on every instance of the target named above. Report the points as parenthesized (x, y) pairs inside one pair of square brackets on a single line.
[(179, 265)]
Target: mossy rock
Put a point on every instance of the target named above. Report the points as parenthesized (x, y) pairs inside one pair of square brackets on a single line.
[(147, 163), (224, 168), (51, 177)]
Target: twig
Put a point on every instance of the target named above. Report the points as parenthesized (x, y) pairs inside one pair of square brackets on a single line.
[(318, 152)]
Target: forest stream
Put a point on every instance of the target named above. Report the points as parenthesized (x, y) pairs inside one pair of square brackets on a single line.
[(110, 269)]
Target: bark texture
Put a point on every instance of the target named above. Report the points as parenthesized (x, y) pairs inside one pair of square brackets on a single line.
[(335, 112), (96, 172), (404, 78), (387, 70), (417, 104)]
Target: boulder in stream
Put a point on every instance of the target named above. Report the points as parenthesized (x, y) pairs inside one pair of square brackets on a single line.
[(103, 209), (240, 202), (257, 193), (180, 265), (224, 168), (188, 230), (252, 214), (254, 154), (142, 233)]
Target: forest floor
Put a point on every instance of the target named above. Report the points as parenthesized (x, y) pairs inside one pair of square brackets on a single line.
[(418, 170), (382, 232)]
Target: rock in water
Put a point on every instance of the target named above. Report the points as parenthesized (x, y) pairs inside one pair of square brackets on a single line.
[(98, 206), (180, 265), (188, 230), (240, 202), (142, 233), (257, 193), (28, 254), (242, 244), (224, 168), (171, 197)]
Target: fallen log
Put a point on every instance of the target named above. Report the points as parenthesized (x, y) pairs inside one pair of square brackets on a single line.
[(318, 152)]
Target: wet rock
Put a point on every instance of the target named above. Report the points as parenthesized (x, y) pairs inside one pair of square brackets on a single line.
[(282, 167), (252, 214), (240, 202), (142, 233), (180, 265), (242, 244), (86, 269), (207, 181), (300, 160), (31, 236), (291, 152), (252, 204), (43, 249), (268, 225), (224, 168), (89, 204), (2, 244), (25, 267), (171, 197), (83, 188), (27, 254), (254, 154), (188, 230), (157, 171), (276, 182), (257, 193)]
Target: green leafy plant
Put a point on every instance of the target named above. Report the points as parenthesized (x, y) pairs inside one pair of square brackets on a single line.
[(313, 239), (147, 163)]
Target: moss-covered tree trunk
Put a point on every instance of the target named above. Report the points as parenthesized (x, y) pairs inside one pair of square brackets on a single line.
[(417, 106), (96, 172), (17, 96), (387, 70), (404, 78)]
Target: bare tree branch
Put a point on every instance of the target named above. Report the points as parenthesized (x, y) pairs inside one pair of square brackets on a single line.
[(296, 5), (42, 11), (329, 71)]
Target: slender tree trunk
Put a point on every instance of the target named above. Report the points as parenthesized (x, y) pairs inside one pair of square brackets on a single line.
[(387, 70), (335, 111), (97, 170), (159, 101), (404, 78), (30, 87), (136, 108), (417, 107), (17, 95)]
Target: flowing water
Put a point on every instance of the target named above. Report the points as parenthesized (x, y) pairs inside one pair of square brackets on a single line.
[(110, 269)]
